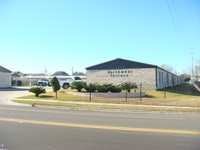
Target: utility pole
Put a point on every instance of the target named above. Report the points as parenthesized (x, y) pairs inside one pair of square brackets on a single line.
[(45, 71), (72, 70), (192, 59)]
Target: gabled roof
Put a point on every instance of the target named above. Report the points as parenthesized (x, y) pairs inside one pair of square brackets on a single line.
[(2, 69), (120, 64)]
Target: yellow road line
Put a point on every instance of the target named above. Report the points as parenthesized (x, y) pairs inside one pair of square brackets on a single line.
[(101, 127)]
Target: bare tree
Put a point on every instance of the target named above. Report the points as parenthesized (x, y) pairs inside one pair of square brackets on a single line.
[(168, 68), (197, 71)]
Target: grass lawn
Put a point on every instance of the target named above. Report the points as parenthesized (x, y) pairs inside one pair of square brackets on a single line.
[(183, 95), (110, 107)]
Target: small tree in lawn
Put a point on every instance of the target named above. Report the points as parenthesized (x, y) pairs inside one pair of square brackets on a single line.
[(79, 85), (55, 85), (37, 90)]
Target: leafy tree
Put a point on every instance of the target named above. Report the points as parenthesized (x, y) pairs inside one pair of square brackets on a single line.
[(79, 85), (186, 77), (78, 74), (17, 73), (17, 82), (37, 90), (55, 85), (60, 73), (128, 86), (197, 72)]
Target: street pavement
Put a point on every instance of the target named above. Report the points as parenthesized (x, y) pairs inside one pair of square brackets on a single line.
[(32, 128)]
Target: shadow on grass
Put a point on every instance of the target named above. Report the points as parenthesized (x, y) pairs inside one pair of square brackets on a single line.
[(15, 89), (46, 96), (149, 96), (185, 89)]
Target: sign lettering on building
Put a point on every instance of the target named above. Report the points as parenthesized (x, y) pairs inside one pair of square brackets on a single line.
[(119, 73)]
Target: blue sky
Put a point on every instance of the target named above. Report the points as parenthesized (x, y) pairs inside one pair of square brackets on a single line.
[(35, 34)]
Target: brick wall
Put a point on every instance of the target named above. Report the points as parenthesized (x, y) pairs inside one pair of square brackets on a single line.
[(5, 80), (167, 79), (146, 76)]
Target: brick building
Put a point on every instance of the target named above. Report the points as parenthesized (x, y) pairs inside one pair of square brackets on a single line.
[(5, 77), (120, 70)]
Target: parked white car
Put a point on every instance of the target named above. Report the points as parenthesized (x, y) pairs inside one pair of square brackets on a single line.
[(66, 81), (43, 82)]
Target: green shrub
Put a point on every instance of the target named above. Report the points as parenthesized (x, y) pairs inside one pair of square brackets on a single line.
[(103, 88), (16, 83), (37, 90), (115, 89), (90, 87), (78, 85), (128, 86)]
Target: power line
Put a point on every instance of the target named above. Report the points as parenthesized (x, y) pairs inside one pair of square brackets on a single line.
[(192, 59), (199, 20), (178, 18), (174, 23)]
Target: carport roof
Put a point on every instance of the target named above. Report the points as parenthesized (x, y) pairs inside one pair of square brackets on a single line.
[(120, 64), (2, 69)]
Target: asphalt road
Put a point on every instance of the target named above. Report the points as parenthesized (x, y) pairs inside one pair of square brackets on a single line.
[(32, 128)]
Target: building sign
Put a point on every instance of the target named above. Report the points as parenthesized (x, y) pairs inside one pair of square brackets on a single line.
[(119, 73)]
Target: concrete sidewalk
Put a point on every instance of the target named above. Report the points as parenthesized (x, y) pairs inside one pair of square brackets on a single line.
[(8, 94)]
